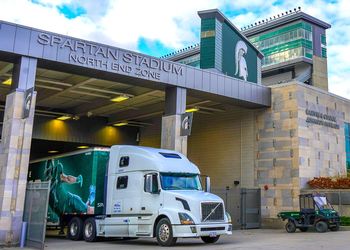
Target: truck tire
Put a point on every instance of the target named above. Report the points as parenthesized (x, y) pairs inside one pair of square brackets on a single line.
[(164, 233), (89, 232), (290, 227), (75, 229), (321, 227), (210, 240)]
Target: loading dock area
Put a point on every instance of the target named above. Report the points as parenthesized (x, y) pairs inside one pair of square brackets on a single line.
[(59, 93)]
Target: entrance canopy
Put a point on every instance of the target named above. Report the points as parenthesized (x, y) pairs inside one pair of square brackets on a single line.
[(119, 67)]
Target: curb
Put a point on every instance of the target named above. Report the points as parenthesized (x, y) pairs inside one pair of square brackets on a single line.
[(344, 228)]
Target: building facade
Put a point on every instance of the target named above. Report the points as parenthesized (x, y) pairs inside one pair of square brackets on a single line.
[(60, 91)]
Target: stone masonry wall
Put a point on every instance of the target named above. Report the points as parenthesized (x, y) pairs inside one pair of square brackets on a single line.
[(290, 151), (277, 167)]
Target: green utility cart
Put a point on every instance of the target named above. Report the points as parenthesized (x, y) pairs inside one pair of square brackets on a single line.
[(315, 211)]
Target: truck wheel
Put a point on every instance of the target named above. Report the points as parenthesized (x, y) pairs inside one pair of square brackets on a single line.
[(321, 226), (210, 240), (90, 230), (303, 229), (164, 233), (75, 229), (335, 228), (290, 227)]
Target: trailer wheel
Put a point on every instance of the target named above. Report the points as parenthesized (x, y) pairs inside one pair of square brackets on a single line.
[(210, 240), (321, 227), (90, 230), (75, 229), (164, 233), (290, 227)]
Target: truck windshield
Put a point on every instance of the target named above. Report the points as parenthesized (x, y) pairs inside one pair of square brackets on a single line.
[(180, 181), (322, 202)]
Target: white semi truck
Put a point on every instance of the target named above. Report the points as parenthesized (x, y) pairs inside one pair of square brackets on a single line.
[(131, 191)]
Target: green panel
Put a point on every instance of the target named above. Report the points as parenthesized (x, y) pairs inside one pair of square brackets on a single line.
[(77, 183), (287, 46), (347, 143), (324, 52), (280, 31), (207, 24), (308, 55), (229, 40), (323, 40), (207, 53)]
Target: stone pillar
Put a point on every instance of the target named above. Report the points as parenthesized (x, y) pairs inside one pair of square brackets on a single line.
[(175, 105), (14, 151)]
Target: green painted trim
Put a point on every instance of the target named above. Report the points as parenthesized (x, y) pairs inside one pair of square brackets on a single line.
[(280, 31)]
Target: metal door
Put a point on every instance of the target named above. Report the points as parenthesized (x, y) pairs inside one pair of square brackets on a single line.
[(35, 213), (231, 198), (250, 208)]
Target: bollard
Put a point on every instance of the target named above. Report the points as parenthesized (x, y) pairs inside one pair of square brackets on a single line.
[(23, 234)]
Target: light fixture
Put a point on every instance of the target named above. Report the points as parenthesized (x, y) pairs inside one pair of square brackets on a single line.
[(189, 110), (82, 147), (64, 117), (52, 151), (8, 81), (119, 124), (120, 98)]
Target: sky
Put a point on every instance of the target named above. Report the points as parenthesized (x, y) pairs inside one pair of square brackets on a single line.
[(157, 27)]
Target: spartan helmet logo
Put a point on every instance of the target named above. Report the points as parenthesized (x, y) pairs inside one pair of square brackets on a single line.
[(241, 64)]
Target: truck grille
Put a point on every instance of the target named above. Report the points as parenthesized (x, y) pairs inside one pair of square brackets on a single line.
[(212, 211)]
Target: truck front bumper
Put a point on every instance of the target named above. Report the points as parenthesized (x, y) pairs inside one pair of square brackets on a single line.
[(199, 230)]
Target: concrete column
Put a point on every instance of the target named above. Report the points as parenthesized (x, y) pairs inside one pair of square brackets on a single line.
[(175, 105), (14, 151)]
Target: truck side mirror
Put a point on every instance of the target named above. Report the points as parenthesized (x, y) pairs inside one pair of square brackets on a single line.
[(151, 184), (207, 184)]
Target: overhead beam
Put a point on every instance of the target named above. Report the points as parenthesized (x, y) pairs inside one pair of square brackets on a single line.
[(127, 104), (66, 90)]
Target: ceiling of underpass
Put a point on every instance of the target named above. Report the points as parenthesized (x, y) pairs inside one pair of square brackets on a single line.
[(76, 96)]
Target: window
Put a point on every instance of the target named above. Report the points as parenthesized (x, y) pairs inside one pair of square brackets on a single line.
[(180, 181), (151, 183), (122, 182), (124, 161), (347, 144)]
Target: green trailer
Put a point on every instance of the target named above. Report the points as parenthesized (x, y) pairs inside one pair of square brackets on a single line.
[(77, 183), (315, 211)]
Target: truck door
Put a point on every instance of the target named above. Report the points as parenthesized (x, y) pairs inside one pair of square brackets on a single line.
[(150, 203)]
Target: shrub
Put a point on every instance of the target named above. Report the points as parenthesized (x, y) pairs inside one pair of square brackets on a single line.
[(344, 221), (330, 183)]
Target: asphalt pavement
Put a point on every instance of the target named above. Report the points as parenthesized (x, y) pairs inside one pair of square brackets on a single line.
[(241, 239)]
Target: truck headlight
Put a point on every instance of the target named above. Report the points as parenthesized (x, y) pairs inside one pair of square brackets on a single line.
[(228, 217), (185, 219)]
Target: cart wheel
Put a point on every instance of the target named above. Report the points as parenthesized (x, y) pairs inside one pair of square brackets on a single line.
[(335, 228), (290, 227), (321, 227), (303, 229)]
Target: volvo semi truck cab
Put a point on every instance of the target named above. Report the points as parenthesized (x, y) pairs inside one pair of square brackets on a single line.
[(148, 192)]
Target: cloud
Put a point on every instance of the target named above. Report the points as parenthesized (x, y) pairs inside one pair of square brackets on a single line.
[(171, 25)]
